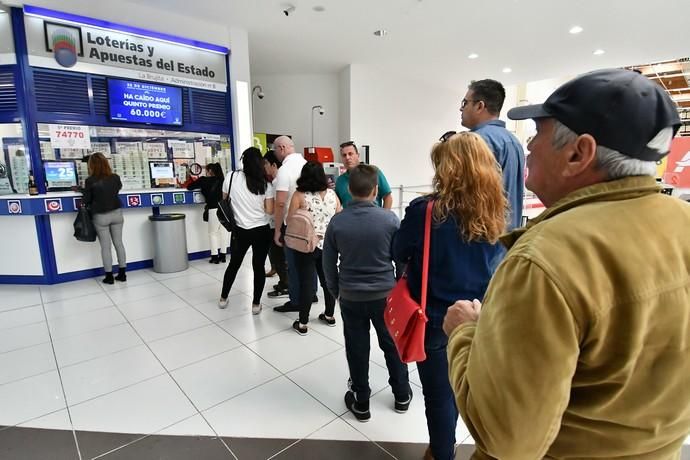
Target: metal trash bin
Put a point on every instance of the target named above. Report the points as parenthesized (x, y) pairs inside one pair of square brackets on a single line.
[(169, 243)]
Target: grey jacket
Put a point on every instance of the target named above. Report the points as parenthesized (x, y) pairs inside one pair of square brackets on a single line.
[(362, 234)]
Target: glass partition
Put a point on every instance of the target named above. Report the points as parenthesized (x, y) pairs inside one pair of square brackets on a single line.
[(15, 163)]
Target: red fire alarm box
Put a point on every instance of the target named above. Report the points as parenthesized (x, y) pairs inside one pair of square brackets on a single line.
[(318, 154)]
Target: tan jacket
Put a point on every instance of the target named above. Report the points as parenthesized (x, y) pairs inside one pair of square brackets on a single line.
[(582, 350)]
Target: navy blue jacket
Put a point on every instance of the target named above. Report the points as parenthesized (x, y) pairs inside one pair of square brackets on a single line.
[(457, 270)]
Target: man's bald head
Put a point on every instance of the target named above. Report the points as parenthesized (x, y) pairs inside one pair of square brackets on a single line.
[(283, 147)]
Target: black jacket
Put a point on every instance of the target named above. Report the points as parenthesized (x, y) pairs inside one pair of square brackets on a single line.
[(101, 195), (212, 189)]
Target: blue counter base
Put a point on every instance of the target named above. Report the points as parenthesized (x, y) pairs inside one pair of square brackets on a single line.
[(84, 274)]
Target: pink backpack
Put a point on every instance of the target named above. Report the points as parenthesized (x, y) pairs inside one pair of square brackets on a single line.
[(300, 234)]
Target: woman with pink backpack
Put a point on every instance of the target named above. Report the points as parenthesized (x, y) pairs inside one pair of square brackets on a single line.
[(311, 209)]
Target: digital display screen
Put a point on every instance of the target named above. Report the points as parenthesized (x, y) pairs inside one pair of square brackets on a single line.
[(60, 175), (162, 174), (141, 102)]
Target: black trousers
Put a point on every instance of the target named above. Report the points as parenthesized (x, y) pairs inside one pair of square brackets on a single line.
[(259, 239), (277, 257), (306, 265)]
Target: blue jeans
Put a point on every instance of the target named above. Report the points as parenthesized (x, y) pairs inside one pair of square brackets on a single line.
[(441, 413), (356, 319), (293, 276)]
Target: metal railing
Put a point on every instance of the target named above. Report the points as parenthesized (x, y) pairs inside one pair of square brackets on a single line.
[(407, 193)]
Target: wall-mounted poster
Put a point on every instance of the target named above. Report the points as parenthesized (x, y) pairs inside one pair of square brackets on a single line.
[(155, 150), (181, 149)]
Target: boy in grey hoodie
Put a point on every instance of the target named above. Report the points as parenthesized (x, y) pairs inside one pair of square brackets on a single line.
[(362, 234)]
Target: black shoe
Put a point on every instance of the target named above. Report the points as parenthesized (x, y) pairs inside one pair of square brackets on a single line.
[(286, 307), (280, 287), (109, 278), (359, 409), (121, 276), (278, 293), (329, 321), (314, 299), (300, 330), (214, 260), (402, 406), (221, 258)]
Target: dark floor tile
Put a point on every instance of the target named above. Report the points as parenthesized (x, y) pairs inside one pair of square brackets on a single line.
[(405, 450), (37, 444), (94, 443), (173, 448), (257, 448), (312, 449)]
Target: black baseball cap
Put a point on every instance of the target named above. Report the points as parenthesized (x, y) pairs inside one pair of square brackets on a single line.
[(623, 110)]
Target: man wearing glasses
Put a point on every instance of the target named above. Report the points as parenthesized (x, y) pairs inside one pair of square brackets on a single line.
[(479, 112), (350, 157)]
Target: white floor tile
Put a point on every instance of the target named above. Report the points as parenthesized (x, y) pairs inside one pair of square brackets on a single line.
[(193, 426), (26, 362), (167, 324), (77, 305), (109, 373), (144, 408), (135, 278), (339, 430), (334, 333), (288, 350), (67, 326), (278, 409), (152, 306), (386, 425), (91, 345), (16, 296), (191, 281), (221, 377), (331, 391), (165, 276), (23, 336), (30, 398), (21, 317), (201, 294), (192, 346), (130, 294), (70, 290), (56, 421), (248, 328), (414, 378), (238, 305)]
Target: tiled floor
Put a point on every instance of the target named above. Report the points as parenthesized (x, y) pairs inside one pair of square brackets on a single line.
[(152, 368)]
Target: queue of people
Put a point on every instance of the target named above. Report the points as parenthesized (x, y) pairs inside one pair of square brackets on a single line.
[(567, 338)]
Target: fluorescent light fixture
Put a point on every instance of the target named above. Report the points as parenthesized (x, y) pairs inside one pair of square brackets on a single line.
[(473, 56), (576, 30), (598, 52), (507, 70), (74, 18)]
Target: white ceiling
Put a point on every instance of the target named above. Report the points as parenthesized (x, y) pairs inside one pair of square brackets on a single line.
[(431, 39)]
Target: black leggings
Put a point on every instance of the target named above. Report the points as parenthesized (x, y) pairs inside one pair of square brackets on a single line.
[(259, 238), (306, 264)]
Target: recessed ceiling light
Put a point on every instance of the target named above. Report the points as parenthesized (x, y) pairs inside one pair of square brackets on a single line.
[(381, 32), (319, 8), (598, 52), (507, 70), (473, 56), (576, 30)]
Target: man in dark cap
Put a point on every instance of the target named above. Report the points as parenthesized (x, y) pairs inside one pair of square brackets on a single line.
[(582, 348)]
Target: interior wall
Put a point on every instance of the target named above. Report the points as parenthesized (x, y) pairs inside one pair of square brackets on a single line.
[(287, 108)]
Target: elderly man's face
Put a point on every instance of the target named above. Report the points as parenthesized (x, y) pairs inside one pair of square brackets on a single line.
[(544, 163)]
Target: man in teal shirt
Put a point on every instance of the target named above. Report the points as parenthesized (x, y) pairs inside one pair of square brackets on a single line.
[(350, 157)]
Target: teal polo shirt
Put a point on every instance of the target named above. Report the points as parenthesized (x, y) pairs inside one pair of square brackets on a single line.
[(343, 192)]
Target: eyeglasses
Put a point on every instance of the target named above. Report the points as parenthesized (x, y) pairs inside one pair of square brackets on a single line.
[(464, 102), (447, 136)]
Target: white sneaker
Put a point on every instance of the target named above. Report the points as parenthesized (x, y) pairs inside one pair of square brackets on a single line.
[(223, 303), (256, 309)]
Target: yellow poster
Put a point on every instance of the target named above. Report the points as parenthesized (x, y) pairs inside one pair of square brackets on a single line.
[(260, 142)]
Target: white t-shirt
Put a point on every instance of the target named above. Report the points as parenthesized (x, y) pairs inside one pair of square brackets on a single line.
[(248, 207), (286, 179)]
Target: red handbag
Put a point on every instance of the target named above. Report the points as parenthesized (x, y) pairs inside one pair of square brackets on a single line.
[(405, 318)]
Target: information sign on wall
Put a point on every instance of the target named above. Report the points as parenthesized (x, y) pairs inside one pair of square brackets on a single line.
[(63, 45), (70, 136)]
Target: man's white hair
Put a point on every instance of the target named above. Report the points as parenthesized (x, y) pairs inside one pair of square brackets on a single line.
[(284, 140), (615, 164)]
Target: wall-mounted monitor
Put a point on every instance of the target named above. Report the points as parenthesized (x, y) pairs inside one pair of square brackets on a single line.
[(141, 102), (60, 175), (162, 174)]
